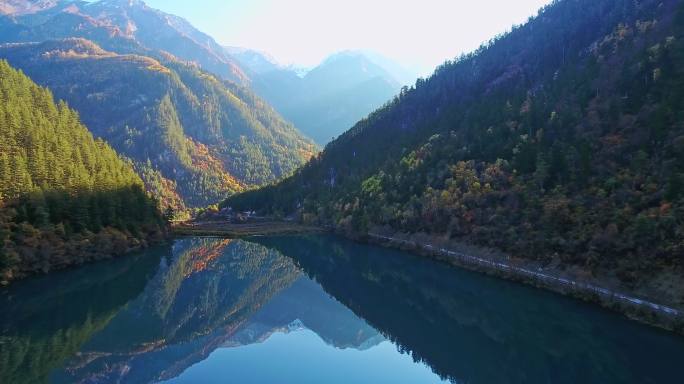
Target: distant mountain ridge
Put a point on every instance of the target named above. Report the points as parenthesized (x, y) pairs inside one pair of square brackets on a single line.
[(331, 97), (253, 61)]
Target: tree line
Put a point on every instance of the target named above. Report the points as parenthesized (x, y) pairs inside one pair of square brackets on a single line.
[(65, 197)]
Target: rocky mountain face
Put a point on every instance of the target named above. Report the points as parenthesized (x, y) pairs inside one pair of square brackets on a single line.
[(22, 7), (122, 25)]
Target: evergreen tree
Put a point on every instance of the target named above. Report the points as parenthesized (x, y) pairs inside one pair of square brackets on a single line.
[(57, 181)]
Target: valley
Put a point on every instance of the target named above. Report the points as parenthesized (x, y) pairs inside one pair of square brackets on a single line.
[(270, 192)]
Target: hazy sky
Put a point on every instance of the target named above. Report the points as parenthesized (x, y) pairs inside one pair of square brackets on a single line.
[(420, 33)]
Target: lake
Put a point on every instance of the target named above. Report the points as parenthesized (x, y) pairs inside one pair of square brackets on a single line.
[(312, 309)]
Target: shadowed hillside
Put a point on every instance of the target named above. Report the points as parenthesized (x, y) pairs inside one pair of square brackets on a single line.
[(560, 141)]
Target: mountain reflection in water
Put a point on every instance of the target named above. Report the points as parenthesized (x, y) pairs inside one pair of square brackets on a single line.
[(209, 309)]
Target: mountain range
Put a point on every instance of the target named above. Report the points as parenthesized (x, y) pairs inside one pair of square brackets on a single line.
[(323, 103), (189, 115), (199, 137), (137, 77)]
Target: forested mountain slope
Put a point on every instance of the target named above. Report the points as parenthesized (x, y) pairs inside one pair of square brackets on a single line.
[(194, 138), (561, 141), (124, 26), (65, 197)]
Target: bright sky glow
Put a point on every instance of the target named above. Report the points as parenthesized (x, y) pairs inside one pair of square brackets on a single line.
[(417, 33)]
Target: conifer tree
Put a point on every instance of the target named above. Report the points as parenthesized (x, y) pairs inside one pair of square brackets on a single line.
[(57, 181)]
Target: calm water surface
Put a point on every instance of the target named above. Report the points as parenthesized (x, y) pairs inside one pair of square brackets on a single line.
[(311, 309)]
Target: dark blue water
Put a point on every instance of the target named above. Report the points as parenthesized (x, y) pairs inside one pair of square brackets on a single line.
[(312, 309)]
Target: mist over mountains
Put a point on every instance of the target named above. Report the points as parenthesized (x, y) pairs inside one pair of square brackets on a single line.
[(331, 97)]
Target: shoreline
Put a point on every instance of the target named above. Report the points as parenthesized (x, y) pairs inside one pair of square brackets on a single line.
[(635, 308), (631, 306), (90, 251), (256, 228)]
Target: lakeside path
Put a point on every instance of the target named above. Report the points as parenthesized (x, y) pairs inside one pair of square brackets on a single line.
[(222, 228), (555, 283)]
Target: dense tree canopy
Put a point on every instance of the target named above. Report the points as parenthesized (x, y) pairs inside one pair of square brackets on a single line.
[(60, 189)]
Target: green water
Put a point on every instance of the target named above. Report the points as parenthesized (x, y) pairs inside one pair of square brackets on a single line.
[(311, 309)]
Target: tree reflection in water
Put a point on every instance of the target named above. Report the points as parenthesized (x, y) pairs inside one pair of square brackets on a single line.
[(148, 318)]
